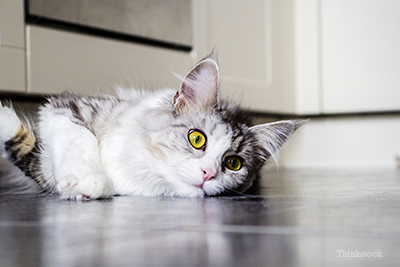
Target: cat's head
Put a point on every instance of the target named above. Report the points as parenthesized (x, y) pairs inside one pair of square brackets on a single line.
[(212, 148)]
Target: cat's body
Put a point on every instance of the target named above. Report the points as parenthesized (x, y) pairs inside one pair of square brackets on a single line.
[(170, 142)]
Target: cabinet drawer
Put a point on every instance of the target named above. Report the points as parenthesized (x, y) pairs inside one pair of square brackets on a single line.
[(59, 61)]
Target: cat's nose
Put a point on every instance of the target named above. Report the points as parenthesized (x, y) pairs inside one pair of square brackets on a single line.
[(208, 174)]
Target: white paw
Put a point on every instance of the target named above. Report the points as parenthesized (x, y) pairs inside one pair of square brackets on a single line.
[(90, 186), (66, 185)]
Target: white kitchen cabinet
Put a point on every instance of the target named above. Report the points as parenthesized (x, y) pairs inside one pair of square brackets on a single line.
[(360, 64), (308, 56), (12, 46), (54, 60)]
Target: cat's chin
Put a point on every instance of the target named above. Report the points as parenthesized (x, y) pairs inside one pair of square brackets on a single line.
[(198, 192), (190, 190), (200, 186)]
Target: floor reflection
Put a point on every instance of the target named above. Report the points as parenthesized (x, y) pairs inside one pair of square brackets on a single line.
[(300, 218)]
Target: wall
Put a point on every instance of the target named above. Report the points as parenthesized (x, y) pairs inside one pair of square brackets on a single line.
[(370, 141)]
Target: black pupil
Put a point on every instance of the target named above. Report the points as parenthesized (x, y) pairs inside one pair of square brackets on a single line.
[(197, 138), (234, 163)]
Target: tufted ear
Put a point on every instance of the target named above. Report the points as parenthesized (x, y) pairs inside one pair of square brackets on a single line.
[(272, 136), (199, 88)]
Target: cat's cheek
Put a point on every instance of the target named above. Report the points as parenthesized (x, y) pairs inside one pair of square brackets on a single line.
[(184, 185), (191, 173), (211, 189), (234, 179)]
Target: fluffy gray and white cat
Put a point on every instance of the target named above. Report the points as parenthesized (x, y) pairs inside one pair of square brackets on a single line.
[(169, 142)]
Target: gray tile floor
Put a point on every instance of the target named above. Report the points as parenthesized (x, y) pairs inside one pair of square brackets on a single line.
[(301, 218)]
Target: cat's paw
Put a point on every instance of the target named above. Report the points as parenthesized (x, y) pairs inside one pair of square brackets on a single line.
[(90, 186), (66, 186)]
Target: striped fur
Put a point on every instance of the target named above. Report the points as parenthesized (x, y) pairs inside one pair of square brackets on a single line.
[(23, 151), (22, 148), (20, 145)]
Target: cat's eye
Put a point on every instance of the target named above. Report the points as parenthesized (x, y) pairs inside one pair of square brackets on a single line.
[(197, 139), (234, 163)]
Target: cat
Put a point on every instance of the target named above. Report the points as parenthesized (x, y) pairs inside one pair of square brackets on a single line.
[(173, 142)]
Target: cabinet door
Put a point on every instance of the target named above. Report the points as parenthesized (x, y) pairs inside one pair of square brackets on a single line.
[(360, 55), (267, 52), (12, 46)]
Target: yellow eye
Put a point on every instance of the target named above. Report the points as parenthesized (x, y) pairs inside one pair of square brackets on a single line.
[(197, 139), (233, 163)]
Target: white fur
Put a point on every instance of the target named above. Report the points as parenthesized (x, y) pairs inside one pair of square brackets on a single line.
[(124, 156), (71, 158)]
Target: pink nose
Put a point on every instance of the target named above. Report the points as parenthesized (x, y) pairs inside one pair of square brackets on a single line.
[(208, 174)]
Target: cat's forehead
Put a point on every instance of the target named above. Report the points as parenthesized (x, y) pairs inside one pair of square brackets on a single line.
[(210, 123)]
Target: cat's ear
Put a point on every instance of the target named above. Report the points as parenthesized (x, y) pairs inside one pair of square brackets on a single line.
[(199, 88), (271, 136)]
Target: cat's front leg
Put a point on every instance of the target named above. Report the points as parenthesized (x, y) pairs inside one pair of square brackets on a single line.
[(71, 157)]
